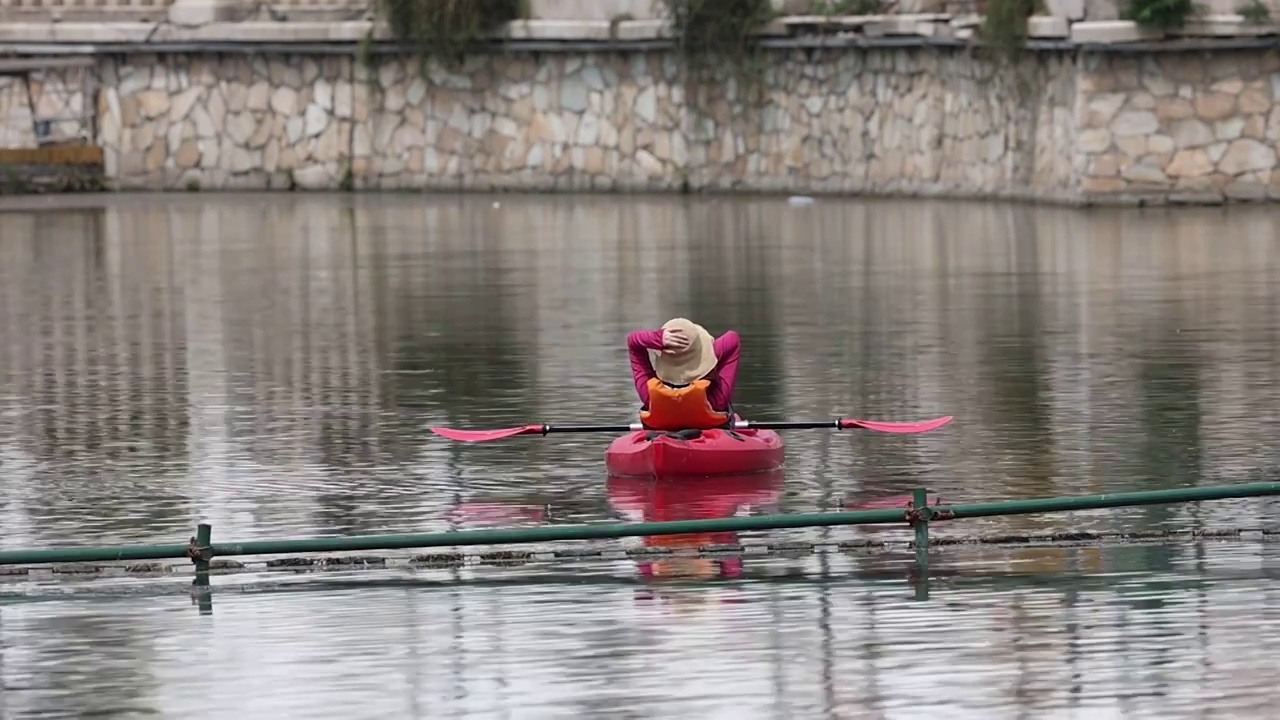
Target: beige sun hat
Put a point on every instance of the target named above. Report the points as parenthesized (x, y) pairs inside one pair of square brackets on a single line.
[(691, 364)]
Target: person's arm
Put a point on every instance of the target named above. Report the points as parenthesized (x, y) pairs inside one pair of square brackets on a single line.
[(727, 350), (639, 343)]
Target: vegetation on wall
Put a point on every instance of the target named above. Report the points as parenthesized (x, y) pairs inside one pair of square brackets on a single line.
[(1255, 12), (1004, 28), (713, 33), (847, 7), (1003, 34), (445, 29), (1161, 14)]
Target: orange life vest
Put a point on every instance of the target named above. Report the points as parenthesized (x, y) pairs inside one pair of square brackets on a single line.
[(681, 408)]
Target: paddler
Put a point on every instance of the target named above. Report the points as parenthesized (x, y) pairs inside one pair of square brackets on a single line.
[(684, 377)]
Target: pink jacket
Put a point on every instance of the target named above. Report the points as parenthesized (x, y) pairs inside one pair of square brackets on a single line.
[(723, 377)]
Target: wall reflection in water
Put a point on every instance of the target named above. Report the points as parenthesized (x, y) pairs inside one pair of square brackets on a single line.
[(270, 364)]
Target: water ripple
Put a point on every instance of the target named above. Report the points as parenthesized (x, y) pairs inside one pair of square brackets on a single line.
[(271, 366)]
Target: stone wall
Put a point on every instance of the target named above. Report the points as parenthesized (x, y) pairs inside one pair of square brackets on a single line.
[(47, 106), (1097, 126), (873, 121), (227, 122), (16, 128), (1181, 125)]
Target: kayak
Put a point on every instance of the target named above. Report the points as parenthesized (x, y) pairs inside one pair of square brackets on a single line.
[(706, 453)]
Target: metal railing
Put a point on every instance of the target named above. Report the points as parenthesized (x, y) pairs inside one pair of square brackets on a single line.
[(201, 549)]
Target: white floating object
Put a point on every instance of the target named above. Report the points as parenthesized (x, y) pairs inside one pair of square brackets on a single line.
[(799, 200), (496, 204)]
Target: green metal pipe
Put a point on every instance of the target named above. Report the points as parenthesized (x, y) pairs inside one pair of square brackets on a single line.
[(924, 513), (550, 533), (202, 553), (1107, 500), (91, 554), (453, 539), (622, 530)]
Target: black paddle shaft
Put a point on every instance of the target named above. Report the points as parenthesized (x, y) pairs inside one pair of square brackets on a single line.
[(748, 425)]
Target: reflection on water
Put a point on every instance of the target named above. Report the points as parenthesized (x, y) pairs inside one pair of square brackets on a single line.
[(793, 640), (643, 500), (269, 364)]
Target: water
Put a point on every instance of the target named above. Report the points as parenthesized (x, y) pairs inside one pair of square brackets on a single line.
[(269, 364)]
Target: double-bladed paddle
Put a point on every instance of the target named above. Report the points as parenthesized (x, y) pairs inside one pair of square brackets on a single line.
[(838, 424)]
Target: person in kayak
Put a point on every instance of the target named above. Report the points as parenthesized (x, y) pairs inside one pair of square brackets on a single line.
[(684, 377)]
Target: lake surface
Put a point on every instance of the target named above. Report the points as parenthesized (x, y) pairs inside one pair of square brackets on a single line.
[(270, 363)]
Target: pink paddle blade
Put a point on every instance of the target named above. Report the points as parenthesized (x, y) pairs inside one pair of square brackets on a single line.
[(484, 435), (896, 427)]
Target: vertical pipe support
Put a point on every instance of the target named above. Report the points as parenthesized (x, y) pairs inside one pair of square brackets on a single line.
[(200, 548), (919, 517)]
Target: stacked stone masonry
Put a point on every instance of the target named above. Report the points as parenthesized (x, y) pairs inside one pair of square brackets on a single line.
[(1067, 125), (878, 121), (1181, 125)]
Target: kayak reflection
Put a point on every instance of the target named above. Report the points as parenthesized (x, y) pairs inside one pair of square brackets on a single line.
[(664, 499)]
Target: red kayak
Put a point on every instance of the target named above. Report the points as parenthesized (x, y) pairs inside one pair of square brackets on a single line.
[(646, 453)]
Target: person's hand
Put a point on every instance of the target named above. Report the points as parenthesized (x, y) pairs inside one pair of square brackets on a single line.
[(674, 341)]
